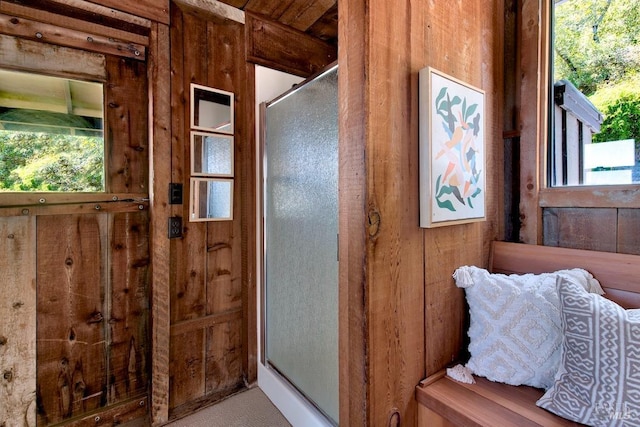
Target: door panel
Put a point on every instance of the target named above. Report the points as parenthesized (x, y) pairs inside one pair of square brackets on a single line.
[(76, 269), (301, 226)]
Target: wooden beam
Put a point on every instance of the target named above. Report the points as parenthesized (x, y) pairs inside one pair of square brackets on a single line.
[(26, 199), (156, 10), (619, 196), (282, 48), (26, 55), (47, 33), (82, 9), (353, 345), (159, 72), (74, 208), (75, 23), (211, 9), (532, 121), (303, 14)]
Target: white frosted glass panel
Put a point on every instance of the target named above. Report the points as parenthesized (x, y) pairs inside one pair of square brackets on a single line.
[(219, 205), (301, 226)]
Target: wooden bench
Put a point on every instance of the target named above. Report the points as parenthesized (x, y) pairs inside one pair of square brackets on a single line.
[(443, 402)]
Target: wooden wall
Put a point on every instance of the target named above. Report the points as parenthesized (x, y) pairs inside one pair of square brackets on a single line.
[(396, 292), (212, 269)]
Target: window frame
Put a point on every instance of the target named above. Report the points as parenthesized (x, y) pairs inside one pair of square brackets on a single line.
[(46, 196), (25, 55), (93, 70), (587, 196)]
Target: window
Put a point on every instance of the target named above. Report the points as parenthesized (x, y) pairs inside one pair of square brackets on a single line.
[(595, 116), (51, 134)]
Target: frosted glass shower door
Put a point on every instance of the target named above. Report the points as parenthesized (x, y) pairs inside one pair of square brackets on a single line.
[(301, 227)]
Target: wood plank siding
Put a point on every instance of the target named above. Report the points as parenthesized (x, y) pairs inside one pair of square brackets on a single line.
[(212, 280), (104, 316), (401, 315)]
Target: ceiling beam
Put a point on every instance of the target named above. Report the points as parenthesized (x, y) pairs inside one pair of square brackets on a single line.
[(211, 9)]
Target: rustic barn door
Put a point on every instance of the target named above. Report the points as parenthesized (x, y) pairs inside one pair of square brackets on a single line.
[(74, 320), (301, 226)]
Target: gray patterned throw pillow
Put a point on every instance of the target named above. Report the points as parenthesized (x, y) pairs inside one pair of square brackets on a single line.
[(598, 382)]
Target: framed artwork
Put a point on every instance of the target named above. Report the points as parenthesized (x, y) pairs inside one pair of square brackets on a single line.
[(452, 150)]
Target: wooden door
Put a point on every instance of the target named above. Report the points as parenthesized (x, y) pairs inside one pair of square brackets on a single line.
[(74, 323)]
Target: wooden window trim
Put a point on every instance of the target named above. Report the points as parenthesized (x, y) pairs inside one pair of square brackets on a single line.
[(601, 196), (615, 196)]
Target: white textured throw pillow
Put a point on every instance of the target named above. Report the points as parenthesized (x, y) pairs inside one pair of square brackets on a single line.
[(598, 382), (515, 329)]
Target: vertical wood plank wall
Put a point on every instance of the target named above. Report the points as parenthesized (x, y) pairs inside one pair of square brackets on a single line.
[(395, 278), (18, 320), (212, 275)]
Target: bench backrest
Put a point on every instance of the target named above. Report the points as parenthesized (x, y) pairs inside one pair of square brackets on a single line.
[(619, 274)]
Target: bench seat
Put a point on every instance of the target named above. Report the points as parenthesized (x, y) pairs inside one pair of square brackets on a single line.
[(444, 402)]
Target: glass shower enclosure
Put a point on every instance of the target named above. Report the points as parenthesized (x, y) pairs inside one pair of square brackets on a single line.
[(300, 293)]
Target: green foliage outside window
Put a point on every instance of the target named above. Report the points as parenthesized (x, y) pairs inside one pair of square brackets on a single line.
[(36, 161), (597, 48)]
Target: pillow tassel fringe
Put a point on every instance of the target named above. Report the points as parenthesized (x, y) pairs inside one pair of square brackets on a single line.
[(462, 276), (461, 374)]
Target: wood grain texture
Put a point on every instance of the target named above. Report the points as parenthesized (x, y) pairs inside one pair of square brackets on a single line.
[(43, 15), (91, 12), (26, 55), (530, 121), (616, 196), (484, 404), (224, 356), (159, 77), (155, 10), (126, 126), (303, 14), (52, 34), (129, 306), (628, 231), (405, 268), (468, 244), (581, 228), (394, 244), (18, 326), (352, 103), (212, 265), (187, 368), (187, 263), (616, 272), (270, 44), (246, 146), (211, 10), (72, 336)]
